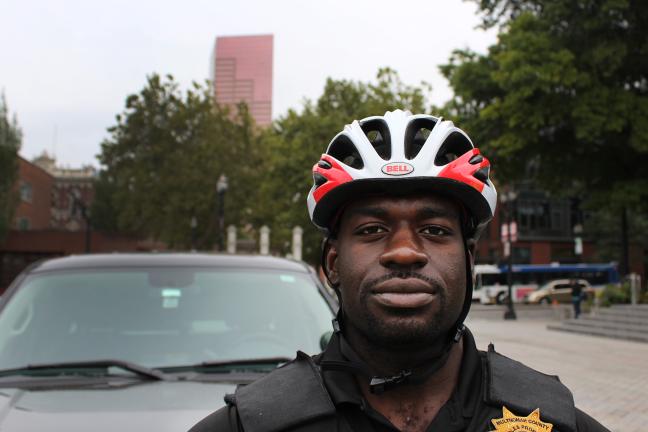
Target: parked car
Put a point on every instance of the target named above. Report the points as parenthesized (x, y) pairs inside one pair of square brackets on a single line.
[(149, 341), (559, 290)]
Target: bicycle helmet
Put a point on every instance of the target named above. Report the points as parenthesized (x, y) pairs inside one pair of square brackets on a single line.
[(399, 153)]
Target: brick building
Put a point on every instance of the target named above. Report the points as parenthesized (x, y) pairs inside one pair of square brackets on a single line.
[(72, 193), (49, 218), (242, 72), (35, 186)]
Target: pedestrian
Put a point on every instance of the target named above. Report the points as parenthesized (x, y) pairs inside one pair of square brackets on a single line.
[(576, 296), (402, 200)]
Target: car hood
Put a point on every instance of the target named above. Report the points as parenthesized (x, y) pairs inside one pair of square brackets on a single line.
[(158, 406)]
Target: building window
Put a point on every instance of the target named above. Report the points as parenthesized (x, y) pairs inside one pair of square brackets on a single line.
[(26, 192), (23, 224), (539, 216)]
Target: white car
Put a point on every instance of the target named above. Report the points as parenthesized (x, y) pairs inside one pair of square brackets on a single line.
[(559, 290)]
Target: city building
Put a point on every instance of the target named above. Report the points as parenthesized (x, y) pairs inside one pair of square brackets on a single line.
[(547, 228), (72, 193), (35, 186), (52, 218), (242, 72)]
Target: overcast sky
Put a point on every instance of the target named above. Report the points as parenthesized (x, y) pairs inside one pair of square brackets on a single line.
[(66, 66)]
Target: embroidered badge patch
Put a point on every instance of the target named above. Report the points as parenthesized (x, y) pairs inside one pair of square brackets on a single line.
[(512, 423)]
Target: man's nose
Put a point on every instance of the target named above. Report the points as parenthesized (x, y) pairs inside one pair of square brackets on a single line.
[(403, 251)]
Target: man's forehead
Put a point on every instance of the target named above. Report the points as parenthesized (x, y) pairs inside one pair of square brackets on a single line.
[(433, 204)]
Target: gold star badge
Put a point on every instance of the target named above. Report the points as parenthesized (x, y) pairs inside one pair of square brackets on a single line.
[(512, 423)]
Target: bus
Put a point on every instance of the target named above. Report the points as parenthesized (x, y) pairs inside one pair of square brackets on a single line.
[(491, 285)]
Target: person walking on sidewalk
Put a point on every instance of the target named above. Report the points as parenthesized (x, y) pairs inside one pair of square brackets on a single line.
[(576, 296)]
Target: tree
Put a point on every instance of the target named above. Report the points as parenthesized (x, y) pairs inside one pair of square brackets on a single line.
[(295, 143), (562, 97), (10, 140), (163, 158)]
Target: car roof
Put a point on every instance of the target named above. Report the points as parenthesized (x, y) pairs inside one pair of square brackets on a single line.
[(134, 260)]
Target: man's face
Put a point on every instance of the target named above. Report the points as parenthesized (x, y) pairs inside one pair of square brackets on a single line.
[(400, 265)]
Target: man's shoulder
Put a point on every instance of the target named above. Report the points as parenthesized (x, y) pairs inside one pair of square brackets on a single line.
[(223, 420), (588, 424), (288, 396), (522, 389)]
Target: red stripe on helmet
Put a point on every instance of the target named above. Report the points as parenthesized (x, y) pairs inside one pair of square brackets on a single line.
[(463, 171), (336, 175)]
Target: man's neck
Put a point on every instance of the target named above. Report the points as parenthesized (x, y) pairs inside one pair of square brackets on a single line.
[(389, 360), (411, 407)]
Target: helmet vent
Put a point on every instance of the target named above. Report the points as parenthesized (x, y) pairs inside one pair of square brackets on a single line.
[(346, 152), (417, 133), (454, 146), (482, 174), (319, 179), (377, 133)]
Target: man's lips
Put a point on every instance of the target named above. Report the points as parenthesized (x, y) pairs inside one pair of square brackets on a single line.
[(404, 293)]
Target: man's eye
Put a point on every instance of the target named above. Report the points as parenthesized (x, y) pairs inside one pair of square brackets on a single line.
[(371, 230), (435, 231)]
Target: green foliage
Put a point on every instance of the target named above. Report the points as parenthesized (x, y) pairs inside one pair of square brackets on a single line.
[(562, 96), (10, 140), (162, 161), (603, 227), (298, 139), (615, 294)]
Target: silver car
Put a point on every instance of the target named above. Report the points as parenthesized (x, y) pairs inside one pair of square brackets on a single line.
[(148, 341)]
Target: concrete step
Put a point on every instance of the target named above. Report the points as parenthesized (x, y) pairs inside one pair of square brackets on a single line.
[(641, 336), (629, 322), (626, 311), (612, 325), (641, 306), (615, 319)]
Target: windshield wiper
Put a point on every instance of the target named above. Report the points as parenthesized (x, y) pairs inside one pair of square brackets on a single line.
[(244, 362), (142, 371), (229, 364)]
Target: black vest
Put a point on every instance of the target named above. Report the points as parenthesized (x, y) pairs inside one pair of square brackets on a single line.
[(294, 398)]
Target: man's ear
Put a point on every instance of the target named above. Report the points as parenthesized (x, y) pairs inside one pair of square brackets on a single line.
[(330, 262)]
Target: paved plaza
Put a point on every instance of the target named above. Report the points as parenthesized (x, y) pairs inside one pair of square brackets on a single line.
[(608, 377)]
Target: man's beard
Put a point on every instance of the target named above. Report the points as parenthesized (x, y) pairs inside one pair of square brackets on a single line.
[(408, 330)]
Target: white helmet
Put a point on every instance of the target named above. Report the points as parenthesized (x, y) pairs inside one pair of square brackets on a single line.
[(398, 153)]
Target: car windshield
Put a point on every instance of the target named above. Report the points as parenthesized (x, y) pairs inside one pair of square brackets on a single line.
[(161, 317)]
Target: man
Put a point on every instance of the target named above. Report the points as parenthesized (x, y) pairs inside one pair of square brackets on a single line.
[(402, 199), (576, 296)]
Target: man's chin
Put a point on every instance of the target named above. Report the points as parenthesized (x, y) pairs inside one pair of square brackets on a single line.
[(404, 333)]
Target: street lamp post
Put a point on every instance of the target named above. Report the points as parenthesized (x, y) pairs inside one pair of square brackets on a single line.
[(221, 188), (507, 199)]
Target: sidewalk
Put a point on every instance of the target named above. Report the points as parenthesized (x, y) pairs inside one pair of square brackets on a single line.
[(608, 377)]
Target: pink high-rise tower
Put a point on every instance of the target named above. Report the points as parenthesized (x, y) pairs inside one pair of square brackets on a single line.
[(243, 72)]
